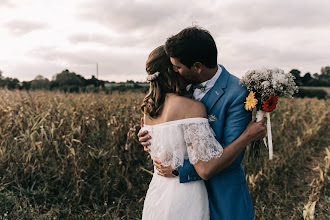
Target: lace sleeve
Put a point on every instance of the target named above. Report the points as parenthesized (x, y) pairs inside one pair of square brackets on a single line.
[(201, 143)]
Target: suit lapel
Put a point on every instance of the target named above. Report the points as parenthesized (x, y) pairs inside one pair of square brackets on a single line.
[(216, 91)]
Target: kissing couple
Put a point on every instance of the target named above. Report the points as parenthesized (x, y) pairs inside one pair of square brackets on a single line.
[(195, 128)]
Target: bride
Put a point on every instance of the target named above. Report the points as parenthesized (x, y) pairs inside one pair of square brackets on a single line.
[(180, 130)]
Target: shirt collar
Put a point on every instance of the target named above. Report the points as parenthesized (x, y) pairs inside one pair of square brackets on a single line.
[(210, 83)]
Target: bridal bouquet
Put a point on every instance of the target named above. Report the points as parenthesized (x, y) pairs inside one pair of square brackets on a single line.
[(266, 86)]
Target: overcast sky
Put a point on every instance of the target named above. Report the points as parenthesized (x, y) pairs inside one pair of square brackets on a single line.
[(44, 37)]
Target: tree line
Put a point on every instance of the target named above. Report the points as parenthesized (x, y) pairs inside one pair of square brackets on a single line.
[(316, 79), (65, 81), (71, 82)]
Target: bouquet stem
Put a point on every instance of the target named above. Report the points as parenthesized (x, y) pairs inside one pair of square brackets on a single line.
[(254, 150)]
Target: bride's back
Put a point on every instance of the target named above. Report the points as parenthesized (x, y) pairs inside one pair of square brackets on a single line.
[(167, 197), (176, 108)]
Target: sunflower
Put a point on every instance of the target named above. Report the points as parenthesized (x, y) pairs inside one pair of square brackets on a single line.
[(270, 103), (251, 101)]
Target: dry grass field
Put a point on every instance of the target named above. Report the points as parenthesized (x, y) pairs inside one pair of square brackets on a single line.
[(76, 156)]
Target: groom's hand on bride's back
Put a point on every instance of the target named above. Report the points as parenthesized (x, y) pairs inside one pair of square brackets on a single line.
[(144, 137)]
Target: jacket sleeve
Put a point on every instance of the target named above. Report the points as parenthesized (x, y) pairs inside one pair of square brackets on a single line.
[(188, 173), (235, 123)]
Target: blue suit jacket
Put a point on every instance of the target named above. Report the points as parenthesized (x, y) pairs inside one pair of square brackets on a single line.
[(228, 193)]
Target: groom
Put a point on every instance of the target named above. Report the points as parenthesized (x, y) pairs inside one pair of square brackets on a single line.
[(193, 54)]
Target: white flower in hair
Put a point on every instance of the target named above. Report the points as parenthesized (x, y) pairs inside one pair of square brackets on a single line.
[(153, 76)]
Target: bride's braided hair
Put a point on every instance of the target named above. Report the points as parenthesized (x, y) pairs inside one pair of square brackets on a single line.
[(167, 81)]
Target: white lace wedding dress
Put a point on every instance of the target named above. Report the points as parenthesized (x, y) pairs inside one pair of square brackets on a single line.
[(172, 142)]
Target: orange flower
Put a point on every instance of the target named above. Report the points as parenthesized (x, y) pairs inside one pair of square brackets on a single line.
[(270, 103)]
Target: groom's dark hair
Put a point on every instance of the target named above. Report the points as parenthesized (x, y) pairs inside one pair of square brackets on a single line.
[(193, 44)]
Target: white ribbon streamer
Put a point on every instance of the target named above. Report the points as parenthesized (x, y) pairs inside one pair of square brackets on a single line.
[(259, 117), (269, 135)]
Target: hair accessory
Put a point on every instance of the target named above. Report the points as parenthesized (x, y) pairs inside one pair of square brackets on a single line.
[(153, 76)]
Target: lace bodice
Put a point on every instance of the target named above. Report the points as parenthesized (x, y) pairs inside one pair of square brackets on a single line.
[(174, 141)]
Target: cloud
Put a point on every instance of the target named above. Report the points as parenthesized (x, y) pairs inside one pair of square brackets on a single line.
[(57, 55), (144, 23), (89, 38), (119, 41), (104, 39), (5, 3), (20, 27), (127, 16), (139, 24), (111, 63), (257, 14), (118, 35), (305, 49)]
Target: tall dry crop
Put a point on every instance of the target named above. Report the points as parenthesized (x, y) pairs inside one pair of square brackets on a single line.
[(280, 187), (77, 156), (70, 155)]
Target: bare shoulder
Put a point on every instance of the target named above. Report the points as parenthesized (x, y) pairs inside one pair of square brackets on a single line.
[(184, 107)]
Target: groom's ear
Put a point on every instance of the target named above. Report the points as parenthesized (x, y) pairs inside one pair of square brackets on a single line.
[(198, 67)]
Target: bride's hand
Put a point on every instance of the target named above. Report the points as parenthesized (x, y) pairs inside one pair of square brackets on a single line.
[(163, 171)]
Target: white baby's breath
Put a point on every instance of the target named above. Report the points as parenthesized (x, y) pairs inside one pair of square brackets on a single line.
[(266, 82)]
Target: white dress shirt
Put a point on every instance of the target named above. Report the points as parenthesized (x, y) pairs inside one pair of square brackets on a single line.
[(199, 94)]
